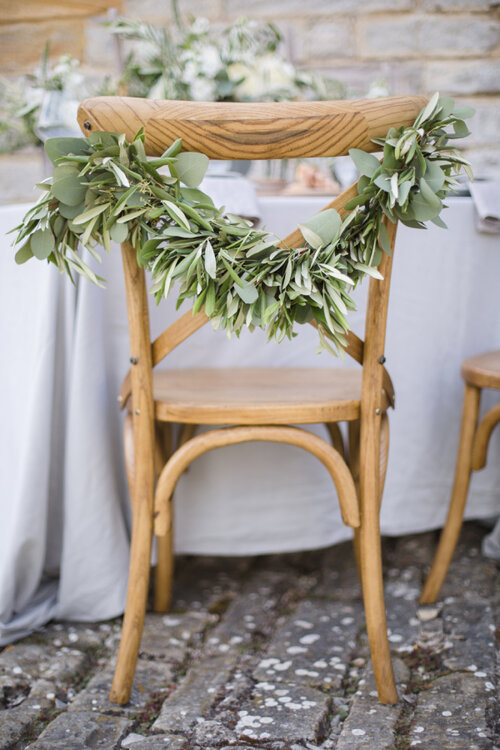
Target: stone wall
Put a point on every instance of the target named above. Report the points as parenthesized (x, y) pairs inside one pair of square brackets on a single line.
[(415, 46)]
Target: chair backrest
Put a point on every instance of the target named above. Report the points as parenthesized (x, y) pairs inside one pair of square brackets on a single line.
[(252, 131)]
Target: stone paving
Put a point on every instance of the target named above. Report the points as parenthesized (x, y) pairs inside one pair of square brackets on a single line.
[(270, 653)]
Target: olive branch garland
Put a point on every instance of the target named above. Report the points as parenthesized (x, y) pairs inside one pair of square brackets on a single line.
[(105, 189)]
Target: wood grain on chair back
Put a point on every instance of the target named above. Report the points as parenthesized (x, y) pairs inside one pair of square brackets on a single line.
[(228, 130)]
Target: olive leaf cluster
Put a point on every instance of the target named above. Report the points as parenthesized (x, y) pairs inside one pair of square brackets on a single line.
[(105, 189)]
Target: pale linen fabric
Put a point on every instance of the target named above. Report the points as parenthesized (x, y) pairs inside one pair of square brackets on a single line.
[(63, 494)]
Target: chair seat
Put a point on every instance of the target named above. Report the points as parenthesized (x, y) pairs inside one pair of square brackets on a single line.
[(483, 370), (258, 395)]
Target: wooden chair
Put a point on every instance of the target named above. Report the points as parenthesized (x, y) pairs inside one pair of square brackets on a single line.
[(481, 371), (247, 398)]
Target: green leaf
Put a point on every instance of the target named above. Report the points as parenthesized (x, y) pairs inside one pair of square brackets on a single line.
[(326, 224), (429, 195), (118, 232), (42, 243), (463, 112), (461, 129), (210, 260), (247, 293), (383, 181), (427, 111), (404, 191), (23, 254), (434, 176), (311, 237), (366, 164), (90, 214), (67, 186), (437, 220), (176, 214), (196, 196), (383, 238), (55, 148), (174, 149), (191, 168), (132, 215), (70, 212)]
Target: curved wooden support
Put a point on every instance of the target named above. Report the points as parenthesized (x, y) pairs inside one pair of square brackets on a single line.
[(482, 438), (336, 437), (233, 435), (451, 530)]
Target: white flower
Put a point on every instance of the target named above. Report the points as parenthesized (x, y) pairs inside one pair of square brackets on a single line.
[(200, 25), (209, 59), (202, 90), (237, 70)]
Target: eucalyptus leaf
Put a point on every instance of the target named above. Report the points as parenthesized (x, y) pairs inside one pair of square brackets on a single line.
[(248, 293), (326, 224), (191, 168), (23, 254), (366, 164), (42, 243), (118, 232), (55, 148), (68, 187)]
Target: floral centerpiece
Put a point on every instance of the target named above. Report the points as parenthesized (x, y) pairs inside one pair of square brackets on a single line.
[(244, 62), (105, 189)]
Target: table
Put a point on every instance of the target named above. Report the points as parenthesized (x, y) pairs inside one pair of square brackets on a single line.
[(64, 500)]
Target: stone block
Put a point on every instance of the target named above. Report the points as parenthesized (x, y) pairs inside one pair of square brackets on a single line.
[(82, 729), (21, 716), (451, 714), (458, 79), (168, 637), (287, 712), (192, 699), (323, 40), (160, 13), (278, 9), (432, 36), (150, 677), (370, 724), (22, 44), (156, 742), (457, 36), (452, 6), (251, 614), (470, 631), (313, 645)]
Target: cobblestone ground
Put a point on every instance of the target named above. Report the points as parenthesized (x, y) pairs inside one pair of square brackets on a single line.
[(270, 653)]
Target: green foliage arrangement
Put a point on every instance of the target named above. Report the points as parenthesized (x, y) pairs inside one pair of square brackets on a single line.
[(104, 189)]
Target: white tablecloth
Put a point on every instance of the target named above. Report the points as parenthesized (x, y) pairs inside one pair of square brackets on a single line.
[(64, 503)]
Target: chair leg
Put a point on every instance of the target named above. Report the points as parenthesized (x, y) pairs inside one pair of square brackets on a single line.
[(164, 570), (451, 530), (135, 608), (353, 449), (164, 544), (370, 553)]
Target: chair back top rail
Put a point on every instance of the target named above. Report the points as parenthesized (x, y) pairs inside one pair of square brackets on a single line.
[(231, 130)]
